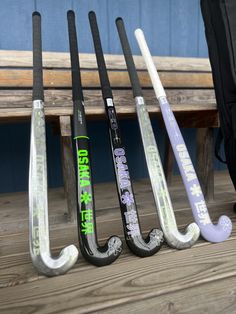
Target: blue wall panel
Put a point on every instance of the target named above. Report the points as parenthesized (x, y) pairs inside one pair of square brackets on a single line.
[(15, 24), (184, 30), (130, 12), (82, 9), (54, 23), (155, 22), (171, 28), (202, 44)]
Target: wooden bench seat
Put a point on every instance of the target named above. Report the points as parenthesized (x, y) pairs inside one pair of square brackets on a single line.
[(188, 83)]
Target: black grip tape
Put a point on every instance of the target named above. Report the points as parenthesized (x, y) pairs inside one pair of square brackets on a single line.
[(37, 58), (137, 91), (79, 122), (77, 92), (105, 84)]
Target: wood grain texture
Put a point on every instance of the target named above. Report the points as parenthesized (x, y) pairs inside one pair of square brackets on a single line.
[(11, 59), (195, 99), (69, 177), (199, 107), (90, 79), (15, 264), (126, 282)]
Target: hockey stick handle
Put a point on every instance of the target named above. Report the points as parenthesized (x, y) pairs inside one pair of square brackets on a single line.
[(38, 93), (156, 82), (137, 91), (77, 93), (105, 84)]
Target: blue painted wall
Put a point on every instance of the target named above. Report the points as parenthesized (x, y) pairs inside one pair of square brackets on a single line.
[(172, 28)]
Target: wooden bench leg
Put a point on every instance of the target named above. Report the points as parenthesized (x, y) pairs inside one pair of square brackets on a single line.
[(68, 167), (205, 161), (168, 161)]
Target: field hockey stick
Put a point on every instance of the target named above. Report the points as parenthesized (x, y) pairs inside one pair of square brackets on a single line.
[(38, 198), (211, 232), (139, 246), (95, 254), (159, 187)]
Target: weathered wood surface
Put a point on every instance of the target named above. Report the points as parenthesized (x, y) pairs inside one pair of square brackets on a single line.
[(197, 280), (190, 98), (198, 106), (90, 79), (14, 59), (188, 79)]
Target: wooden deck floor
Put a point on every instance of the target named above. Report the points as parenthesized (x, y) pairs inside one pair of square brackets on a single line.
[(197, 280)]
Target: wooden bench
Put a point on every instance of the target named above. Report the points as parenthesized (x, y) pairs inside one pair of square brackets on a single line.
[(188, 83)]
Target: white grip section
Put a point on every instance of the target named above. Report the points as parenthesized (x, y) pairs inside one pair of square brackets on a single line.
[(156, 82)]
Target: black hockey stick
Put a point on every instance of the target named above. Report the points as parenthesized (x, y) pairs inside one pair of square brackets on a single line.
[(129, 213), (95, 254), (38, 198), (155, 169)]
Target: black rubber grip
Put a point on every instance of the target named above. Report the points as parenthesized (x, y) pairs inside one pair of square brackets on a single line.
[(77, 92), (79, 122), (137, 91), (37, 58), (105, 84)]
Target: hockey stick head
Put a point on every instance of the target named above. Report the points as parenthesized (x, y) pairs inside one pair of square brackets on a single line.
[(146, 247), (219, 232)]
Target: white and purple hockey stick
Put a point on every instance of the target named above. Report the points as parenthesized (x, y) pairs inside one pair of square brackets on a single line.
[(211, 232)]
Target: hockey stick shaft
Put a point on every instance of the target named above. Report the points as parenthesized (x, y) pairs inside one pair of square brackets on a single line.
[(129, 213), (155, 169), (213, 233), (38, 199), (99, 256)]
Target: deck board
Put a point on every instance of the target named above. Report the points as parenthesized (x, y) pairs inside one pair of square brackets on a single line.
[(170, 282)]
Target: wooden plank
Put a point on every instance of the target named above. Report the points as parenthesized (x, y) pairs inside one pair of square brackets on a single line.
[(196, 99), (190, 119), (90, 79), (214, 297), (68, 168), (15, 264), (14, 206), (199, 106), (13, 58), (126, 282)]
